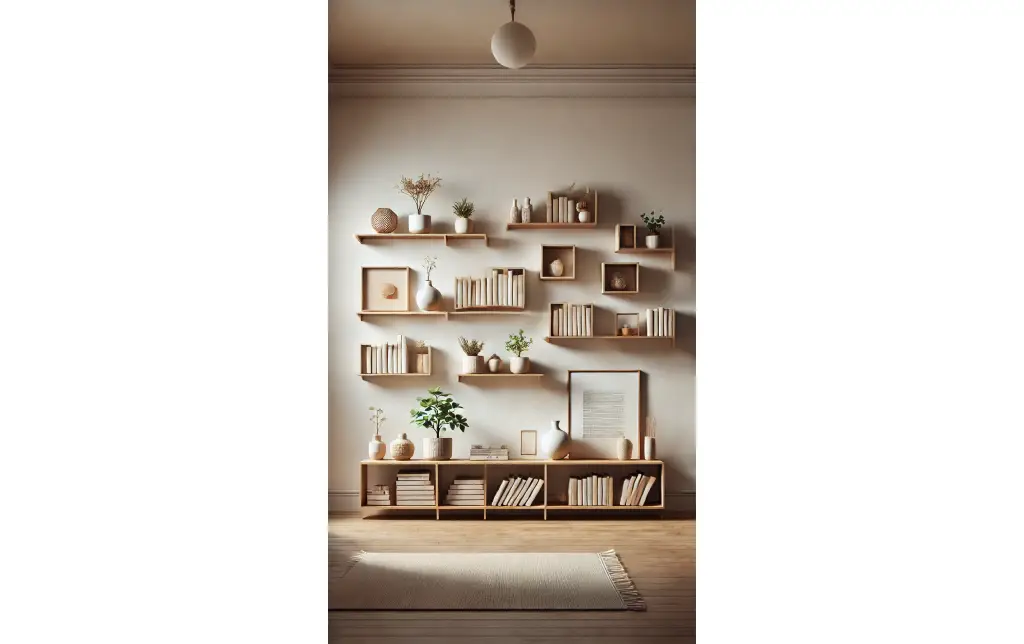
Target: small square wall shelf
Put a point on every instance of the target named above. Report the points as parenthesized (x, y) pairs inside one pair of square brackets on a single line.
[(565, 254), (375, 237), (627, 238), (628, 272)]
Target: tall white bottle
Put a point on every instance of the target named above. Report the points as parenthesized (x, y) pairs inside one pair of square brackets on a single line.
[(527, 211), (514, 216)]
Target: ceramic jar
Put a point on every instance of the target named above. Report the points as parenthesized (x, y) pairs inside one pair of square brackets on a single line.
[(555, 443), (472, 364), (557, 268), (618, 282), (514, 215), (583, 216), (463, 225), (519, 365), (419, 224), (527, 211), (494, 364), (402, 448), (652, 241), (377, 448), (384, 220), (649, 448), (437, 449), (428, 298), (623, 448)]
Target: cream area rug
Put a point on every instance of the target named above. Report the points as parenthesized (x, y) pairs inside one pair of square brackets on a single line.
[(485, 581)]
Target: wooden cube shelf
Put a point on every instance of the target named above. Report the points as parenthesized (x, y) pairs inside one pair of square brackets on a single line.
[(626, 243), (629, 271), (567, 254)]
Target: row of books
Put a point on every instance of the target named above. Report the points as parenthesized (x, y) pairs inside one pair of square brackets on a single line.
[(481, 453), (598, 490), (502, 288), (636, 488), (466, 492), (414, 487), (517, 490), (561, 209), (379, 495), (572, 320), (661, 322), (386, 358)]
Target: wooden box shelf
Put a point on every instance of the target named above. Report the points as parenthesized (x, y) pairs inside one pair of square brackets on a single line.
[(413, 358), (571, 220), (626, 243), (492, 293), (630, 271), (567, 254)]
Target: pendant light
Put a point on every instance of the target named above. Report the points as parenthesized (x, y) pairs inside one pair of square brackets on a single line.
[(513, 44)]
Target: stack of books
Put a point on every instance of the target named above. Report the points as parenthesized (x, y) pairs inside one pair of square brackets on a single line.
[(481, 453), (517, 490), (661, 322), (466, 492), (636, 488), (386, 358), (595, 490), (379, 495), (414, 487), (572, 320), (504, 287)]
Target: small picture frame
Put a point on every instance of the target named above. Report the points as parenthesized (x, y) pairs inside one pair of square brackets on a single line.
[(627, 324), (385, 288), (528, 442)]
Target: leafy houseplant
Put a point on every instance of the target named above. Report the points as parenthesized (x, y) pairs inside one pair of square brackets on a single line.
[(419, 190), (438, 412), (463, 211), (654, 224), (377, 446), (518, 344), (429, 298), (471, 361)]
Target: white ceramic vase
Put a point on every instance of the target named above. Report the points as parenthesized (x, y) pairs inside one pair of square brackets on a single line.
[(472, 364), (494, 365), (463, 225), (583, 216), (624, 448), (649, 448), (557, 268), (428, 298), (527, 211), (437, 449), (519, 365), (514, 215), (555, 443), (652, 241), (419, 223), (377, 448)]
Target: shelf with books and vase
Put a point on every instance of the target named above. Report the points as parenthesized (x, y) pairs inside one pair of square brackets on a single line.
[(566, 209)]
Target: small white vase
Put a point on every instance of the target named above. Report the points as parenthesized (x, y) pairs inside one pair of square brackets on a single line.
[(437, 449), (463, 225), (624, 448), (419, 223), (555, 443), (527, 211), (583, 216), (557, 268), (428, 298), (519, 365), (494, 364), (472, 364), (649, 448), (377, 448), (514, 215), (652, 241)]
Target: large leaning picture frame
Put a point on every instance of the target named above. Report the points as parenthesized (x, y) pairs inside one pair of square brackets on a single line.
[(603, 407)]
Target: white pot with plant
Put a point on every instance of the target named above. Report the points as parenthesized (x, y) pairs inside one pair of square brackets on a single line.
[(518, 344), (377, 447), (429, 298), (463, 211), (472, 362), (654, 224), (437, 412), (419, 190)]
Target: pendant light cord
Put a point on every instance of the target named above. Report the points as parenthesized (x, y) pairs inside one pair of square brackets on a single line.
[(512, 6)]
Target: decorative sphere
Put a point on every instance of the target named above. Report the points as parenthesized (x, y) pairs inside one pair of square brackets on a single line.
[(513, 45)]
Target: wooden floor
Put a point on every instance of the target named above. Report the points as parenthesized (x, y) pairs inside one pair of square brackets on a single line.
[(659, 555)]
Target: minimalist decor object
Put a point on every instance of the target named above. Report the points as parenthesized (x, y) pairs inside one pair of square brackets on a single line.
[(624, 449), (504, 291), (377, 446), (419, 190), (620, 278), (402, 448), (649, 452), (494, 363), (618, 281), (466, 492), (438, 412), (518, 344), (582, 208), (515, 215), (555, 443), (384, 220), (604, 406), (385, 288), (557, 267), (496, 581), (488, 453), (429, 298), (513, 44), (627, 323), (527, 211), (463, 211), (528, 442), (471, 362), (654, 222), (380, 495)]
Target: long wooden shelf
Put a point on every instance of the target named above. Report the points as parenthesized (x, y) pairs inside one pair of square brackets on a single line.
[(543, 225), (367, 376), (447, 237), (489, 310), (363, 314), (500, 375), (558, 339), (516, 461)]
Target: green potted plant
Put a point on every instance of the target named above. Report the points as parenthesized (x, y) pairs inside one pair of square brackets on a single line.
[(438, 412), (518, 344), (471, 362), (654, 224), (463, 211), (419, 190)]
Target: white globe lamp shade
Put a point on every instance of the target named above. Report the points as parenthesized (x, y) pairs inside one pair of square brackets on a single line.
[(513, 45)]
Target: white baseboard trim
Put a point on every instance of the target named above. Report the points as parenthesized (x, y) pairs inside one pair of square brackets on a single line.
[(344, 501)]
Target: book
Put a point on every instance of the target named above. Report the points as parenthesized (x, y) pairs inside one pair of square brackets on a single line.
[(647, 489), (415, 503), (549, 211), (497, 495), (529, 491), (509, 490), (570, 498), (473, 502), (522, 490), (649, 314), (626, 484), (634, 495), (414, 474), (536, 490)]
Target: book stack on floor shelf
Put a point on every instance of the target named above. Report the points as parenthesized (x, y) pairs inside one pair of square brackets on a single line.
[(572, 320), (636, 488), (505, 287), (380, 495), (482, 453), (466, 491), (593, 490), (661, 322), (414, 487), (518, 490), (386, 358)]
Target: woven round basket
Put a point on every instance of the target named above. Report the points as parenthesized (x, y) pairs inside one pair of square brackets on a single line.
[(384, 220)]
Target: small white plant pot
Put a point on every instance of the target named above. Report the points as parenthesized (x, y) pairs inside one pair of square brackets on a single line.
[(463, 225), (437, 449), (519, 365), (472, 364), (419, 223), (652, 241)]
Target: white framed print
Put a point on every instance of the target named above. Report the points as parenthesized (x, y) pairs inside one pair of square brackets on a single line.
[(604, 406)]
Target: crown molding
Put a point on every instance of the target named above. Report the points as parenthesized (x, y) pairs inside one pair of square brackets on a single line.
[(648, 81)]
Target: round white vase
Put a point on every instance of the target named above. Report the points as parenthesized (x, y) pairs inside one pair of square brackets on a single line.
[(437, 449), (555, 443), (583, 216), (463, 225), (557, 268), (519, 365), (652, 241), (472, 364), (377, 448), (428, 298), (419, 223)]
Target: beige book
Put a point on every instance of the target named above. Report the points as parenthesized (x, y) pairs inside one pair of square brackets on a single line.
[(647, 488), (501, 490)]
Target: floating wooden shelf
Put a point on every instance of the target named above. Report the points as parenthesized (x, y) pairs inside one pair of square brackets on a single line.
[(443, 314), (559, 338), (482, 310), (549, 226), (362, 239), (626, 244), (499, 375), (367, 376)]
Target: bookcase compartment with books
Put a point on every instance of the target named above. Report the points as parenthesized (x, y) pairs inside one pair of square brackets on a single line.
[(515, 485), (562, 213), (608, 485), (400, 358), (570, 320), (502, 290)]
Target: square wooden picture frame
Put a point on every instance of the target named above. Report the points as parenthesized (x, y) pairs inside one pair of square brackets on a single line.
[(607, 406), (528, 442), (376, 283)]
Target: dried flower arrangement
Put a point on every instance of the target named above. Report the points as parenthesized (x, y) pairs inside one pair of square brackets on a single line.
[(470, 347), (429, 264), (419, 189), (463, 208)]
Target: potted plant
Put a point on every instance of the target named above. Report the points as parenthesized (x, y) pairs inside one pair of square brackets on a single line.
[(463, 211), (437, 412), (471, 361), (654, 225), (518, 344), (419, 190), (429, 298), (377, 446)]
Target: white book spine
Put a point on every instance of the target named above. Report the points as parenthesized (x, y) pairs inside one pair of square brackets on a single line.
[(590, 321), (501, 289), (402, 366), (571, 497), (647, 489), (522, 289), (511, 291), (458, 293), (536, 490), (501, 490), (379, 359), (650, 322)]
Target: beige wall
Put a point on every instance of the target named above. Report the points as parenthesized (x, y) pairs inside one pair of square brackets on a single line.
[(639, 155)]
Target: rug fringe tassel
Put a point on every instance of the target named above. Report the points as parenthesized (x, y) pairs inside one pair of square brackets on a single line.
[(623, 584), (352, 561)]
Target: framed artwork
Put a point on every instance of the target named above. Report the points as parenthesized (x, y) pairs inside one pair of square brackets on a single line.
[(603, 407), (528, 442), (386, 288)]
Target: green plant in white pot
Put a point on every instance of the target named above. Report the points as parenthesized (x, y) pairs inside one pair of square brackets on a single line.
[(438, 412), (654, 224), (463, 211), (518, 344)]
